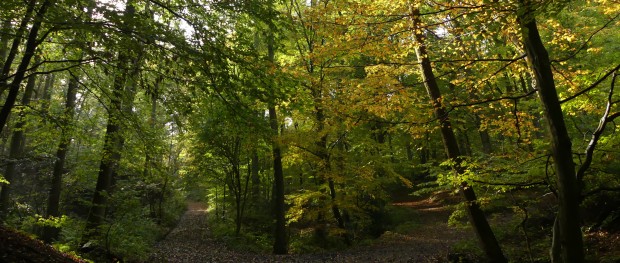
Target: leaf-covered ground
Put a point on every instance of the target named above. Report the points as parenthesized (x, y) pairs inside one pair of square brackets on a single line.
[(191, 241), (17, 247)]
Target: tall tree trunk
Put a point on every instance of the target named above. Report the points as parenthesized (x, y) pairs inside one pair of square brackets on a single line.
[(16, 150), (485, 139), (7, 58), (235, 181), (31, 46), (323, 154), (110, 157), (149, 163), (280, 245), (477, 218), (463, 142), (238, 193), (4, 43), (46, 94), (254, 166), (53, 206), (121, 100), (561, 149)]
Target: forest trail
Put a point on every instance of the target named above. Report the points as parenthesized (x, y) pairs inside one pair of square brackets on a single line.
[(429, 241)]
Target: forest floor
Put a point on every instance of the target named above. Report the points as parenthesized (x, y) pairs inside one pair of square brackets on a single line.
[(430, 241), (18, 247)]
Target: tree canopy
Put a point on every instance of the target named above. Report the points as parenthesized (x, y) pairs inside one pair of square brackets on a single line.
[(301, 123)]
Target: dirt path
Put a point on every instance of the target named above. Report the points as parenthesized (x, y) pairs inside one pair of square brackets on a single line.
[(190, 241)]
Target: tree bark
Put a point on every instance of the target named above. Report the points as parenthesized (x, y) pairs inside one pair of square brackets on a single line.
[(254, 166), (53, 206), (16, 150), (280, 245), (110, 157), (555, 253), (46, 94), (567, 188), (323, 154), (485, 139), (31, 46), (478, 220), (7, 59), (123, 92), (149, 162), (4, 43)]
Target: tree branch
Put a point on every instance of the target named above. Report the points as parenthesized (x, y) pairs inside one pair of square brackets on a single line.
[(511, 184), (596, 135), (587, 41), (514, 98), (593, 85), (482, 59)]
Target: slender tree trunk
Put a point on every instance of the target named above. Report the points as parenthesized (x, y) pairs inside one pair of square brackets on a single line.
[(31, 46), (561, 149), (148, 159), (46, 94), (109, 161), (555, 253), (160, 205), (53, 207), (463, 142), (235, 183), (4, 43), (336, 211), (485, 139), (244, 196), (325, 158), (254, 166), (7, 59), (223, 201), (280, 245), (477, 218), (16, 150), (217, 207), (121, 101)]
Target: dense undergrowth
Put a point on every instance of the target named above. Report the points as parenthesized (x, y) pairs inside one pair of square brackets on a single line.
[(128, 235), (521, 218)]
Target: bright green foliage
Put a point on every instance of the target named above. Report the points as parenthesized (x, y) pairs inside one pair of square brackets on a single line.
[(357, 130)]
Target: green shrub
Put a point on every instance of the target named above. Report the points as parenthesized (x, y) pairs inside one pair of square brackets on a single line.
[(131, 237)]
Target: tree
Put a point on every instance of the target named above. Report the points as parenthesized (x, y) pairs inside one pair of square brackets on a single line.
[(31, 46), (477, 218), (121, 99), (310, 39), (280, 245), (17, 148), (53, 207), (571, 241), (8, 56)]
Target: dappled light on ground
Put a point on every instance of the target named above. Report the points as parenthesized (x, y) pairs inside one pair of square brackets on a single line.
[(430, 241)]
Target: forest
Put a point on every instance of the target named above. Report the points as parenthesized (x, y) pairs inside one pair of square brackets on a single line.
[(311, 130)]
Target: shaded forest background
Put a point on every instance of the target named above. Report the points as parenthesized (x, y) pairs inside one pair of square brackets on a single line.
[(299, 123)]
